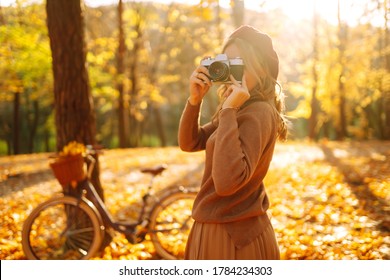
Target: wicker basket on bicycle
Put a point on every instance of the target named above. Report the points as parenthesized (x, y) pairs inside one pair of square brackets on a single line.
[(68, 167)]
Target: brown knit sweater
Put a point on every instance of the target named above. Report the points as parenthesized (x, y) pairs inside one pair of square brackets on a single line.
[(239, 150)]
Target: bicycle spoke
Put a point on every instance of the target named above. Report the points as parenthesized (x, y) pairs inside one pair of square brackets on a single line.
[(61, 228), (80, 231), (80, 239), (170, 226), (79, 245)]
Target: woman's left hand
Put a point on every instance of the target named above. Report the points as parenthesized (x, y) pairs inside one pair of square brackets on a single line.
[(236, 94)]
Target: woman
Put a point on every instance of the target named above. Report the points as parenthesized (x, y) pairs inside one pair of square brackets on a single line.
[(230, 209)]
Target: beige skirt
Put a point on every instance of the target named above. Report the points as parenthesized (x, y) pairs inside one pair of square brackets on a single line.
[(212, 242)]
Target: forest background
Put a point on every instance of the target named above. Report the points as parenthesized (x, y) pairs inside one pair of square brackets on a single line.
[(332, 201), (335, 74)]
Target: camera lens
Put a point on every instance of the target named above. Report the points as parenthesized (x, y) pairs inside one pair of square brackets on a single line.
[(219, 71)]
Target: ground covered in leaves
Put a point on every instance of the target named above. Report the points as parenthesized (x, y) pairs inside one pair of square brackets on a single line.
[(329, 200)]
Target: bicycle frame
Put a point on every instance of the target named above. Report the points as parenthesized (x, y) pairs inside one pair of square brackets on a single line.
[(134, 232), (90, 194)]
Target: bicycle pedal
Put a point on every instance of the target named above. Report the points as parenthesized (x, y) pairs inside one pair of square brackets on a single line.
[(140, 231), (131, 238), (141, 237)]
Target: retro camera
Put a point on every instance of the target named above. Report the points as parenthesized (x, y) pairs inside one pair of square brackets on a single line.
[(221, 67)]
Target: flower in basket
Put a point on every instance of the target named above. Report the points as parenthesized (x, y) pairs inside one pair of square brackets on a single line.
[(68, 167), (73, 149)]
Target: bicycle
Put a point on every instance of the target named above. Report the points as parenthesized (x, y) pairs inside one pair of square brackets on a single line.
[(71, 226)]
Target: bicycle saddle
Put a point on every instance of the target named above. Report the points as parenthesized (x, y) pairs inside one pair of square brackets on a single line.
[(154, 170)]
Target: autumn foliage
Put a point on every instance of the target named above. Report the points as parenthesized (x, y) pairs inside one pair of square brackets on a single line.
[(328, 200)]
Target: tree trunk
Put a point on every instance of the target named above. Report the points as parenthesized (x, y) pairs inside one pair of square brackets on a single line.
[(2, 20), (313, 119), (74, 112), (47, 139), (220, 34), (33, 126), (386, 93), (159, 126), (16, 124), (238, 10), (122, 108), (342, 37), (134, 123)]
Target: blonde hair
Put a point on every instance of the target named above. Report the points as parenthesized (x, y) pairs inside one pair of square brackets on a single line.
[(266, 89)]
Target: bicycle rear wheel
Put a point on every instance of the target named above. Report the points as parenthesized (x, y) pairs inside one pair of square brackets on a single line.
[(62, 228), (170, 224)]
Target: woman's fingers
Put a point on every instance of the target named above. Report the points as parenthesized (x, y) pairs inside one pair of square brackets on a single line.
[(229, 91), (236, 94), (236, 83), (201, 74), (244, 82), (204, 78)]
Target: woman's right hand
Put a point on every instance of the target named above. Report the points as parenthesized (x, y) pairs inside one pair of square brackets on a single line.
[(199, 85)]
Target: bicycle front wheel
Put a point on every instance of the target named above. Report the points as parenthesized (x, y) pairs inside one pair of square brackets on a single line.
[(170, 224), (60, 229)]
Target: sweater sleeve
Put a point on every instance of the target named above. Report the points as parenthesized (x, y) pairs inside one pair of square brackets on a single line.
[(239, 145), (192, 137)]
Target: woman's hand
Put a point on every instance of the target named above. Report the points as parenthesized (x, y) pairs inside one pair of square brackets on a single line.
[(236, 94), (199, 85)]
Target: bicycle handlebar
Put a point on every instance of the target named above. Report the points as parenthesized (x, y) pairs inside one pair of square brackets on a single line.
[(91, 165), (94, 149)]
